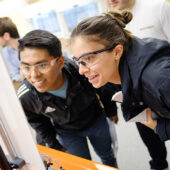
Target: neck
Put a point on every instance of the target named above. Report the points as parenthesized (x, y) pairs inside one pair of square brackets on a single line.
[(115, 79), (60, 81), (13, 43), (131, 4)]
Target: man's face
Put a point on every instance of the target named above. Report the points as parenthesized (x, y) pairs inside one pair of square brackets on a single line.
[(43, 71), (118, 4)]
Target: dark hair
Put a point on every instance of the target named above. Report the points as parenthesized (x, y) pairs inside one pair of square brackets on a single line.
[(107, 28), (6, 25), (41, 39)]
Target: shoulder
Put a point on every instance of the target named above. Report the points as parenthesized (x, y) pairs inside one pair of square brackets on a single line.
[(157, 7), (29, 98), (24, 90), (159, 66), (163, 7), (73, 70), (155, 78), (70, 66), (152, 45), (6, 50), (158, 4)]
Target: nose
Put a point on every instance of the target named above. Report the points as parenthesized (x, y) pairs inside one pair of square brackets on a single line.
[(83, 69), (34, 72)]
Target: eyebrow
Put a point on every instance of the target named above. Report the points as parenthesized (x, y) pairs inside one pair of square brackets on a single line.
[(39, 62)]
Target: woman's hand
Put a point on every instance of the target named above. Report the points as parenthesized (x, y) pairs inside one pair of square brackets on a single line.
[(151, 123)]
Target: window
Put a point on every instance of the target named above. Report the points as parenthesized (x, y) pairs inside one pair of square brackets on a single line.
[(75, 15), (46, 21)]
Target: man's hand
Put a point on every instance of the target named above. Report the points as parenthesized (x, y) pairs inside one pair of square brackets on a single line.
[(151, 123), (114, 119)]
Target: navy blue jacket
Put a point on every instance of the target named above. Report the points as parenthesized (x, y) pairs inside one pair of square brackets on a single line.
[(49, 114), (145, 78), (163, 129)]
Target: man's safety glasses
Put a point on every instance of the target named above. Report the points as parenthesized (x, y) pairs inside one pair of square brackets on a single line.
[(43, 67)]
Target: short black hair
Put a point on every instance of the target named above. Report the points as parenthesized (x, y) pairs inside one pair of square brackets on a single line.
[(41, 39)]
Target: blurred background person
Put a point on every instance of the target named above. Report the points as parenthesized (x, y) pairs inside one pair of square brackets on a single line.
[(150, 19), (9, 41)]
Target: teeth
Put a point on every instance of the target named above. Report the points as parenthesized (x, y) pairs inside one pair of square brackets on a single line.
[(91, 77), (38, 82)]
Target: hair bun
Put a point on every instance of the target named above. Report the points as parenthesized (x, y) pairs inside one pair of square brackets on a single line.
[(122, 18), (126, 16)]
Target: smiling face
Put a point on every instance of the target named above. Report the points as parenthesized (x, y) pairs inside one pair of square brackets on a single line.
[(106, 64), (50, 80)]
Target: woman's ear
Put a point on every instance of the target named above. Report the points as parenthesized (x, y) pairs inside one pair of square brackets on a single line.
[(118, 52)]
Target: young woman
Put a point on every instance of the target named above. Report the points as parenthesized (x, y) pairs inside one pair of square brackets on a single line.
[(106, 52)]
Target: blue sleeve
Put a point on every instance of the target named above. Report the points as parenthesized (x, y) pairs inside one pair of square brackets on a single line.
[(13, 63), (163, 129)]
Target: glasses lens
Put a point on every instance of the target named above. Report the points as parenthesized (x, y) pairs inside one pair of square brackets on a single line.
[(89, 60), (25, 69), (41, 68)]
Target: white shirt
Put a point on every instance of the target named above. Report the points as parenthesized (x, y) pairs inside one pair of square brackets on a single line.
[(151, 18)]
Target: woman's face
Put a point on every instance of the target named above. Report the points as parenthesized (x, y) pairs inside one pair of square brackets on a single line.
[(99, 68)]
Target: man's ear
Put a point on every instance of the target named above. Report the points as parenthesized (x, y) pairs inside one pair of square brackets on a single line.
[(118, 52), (61, 62), (6, 36)]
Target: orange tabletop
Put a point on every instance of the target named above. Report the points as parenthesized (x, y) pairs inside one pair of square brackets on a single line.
[(70, 162)]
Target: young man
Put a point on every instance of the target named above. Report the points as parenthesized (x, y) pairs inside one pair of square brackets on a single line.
[(59, 101), (9, 37), (150, 19)]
